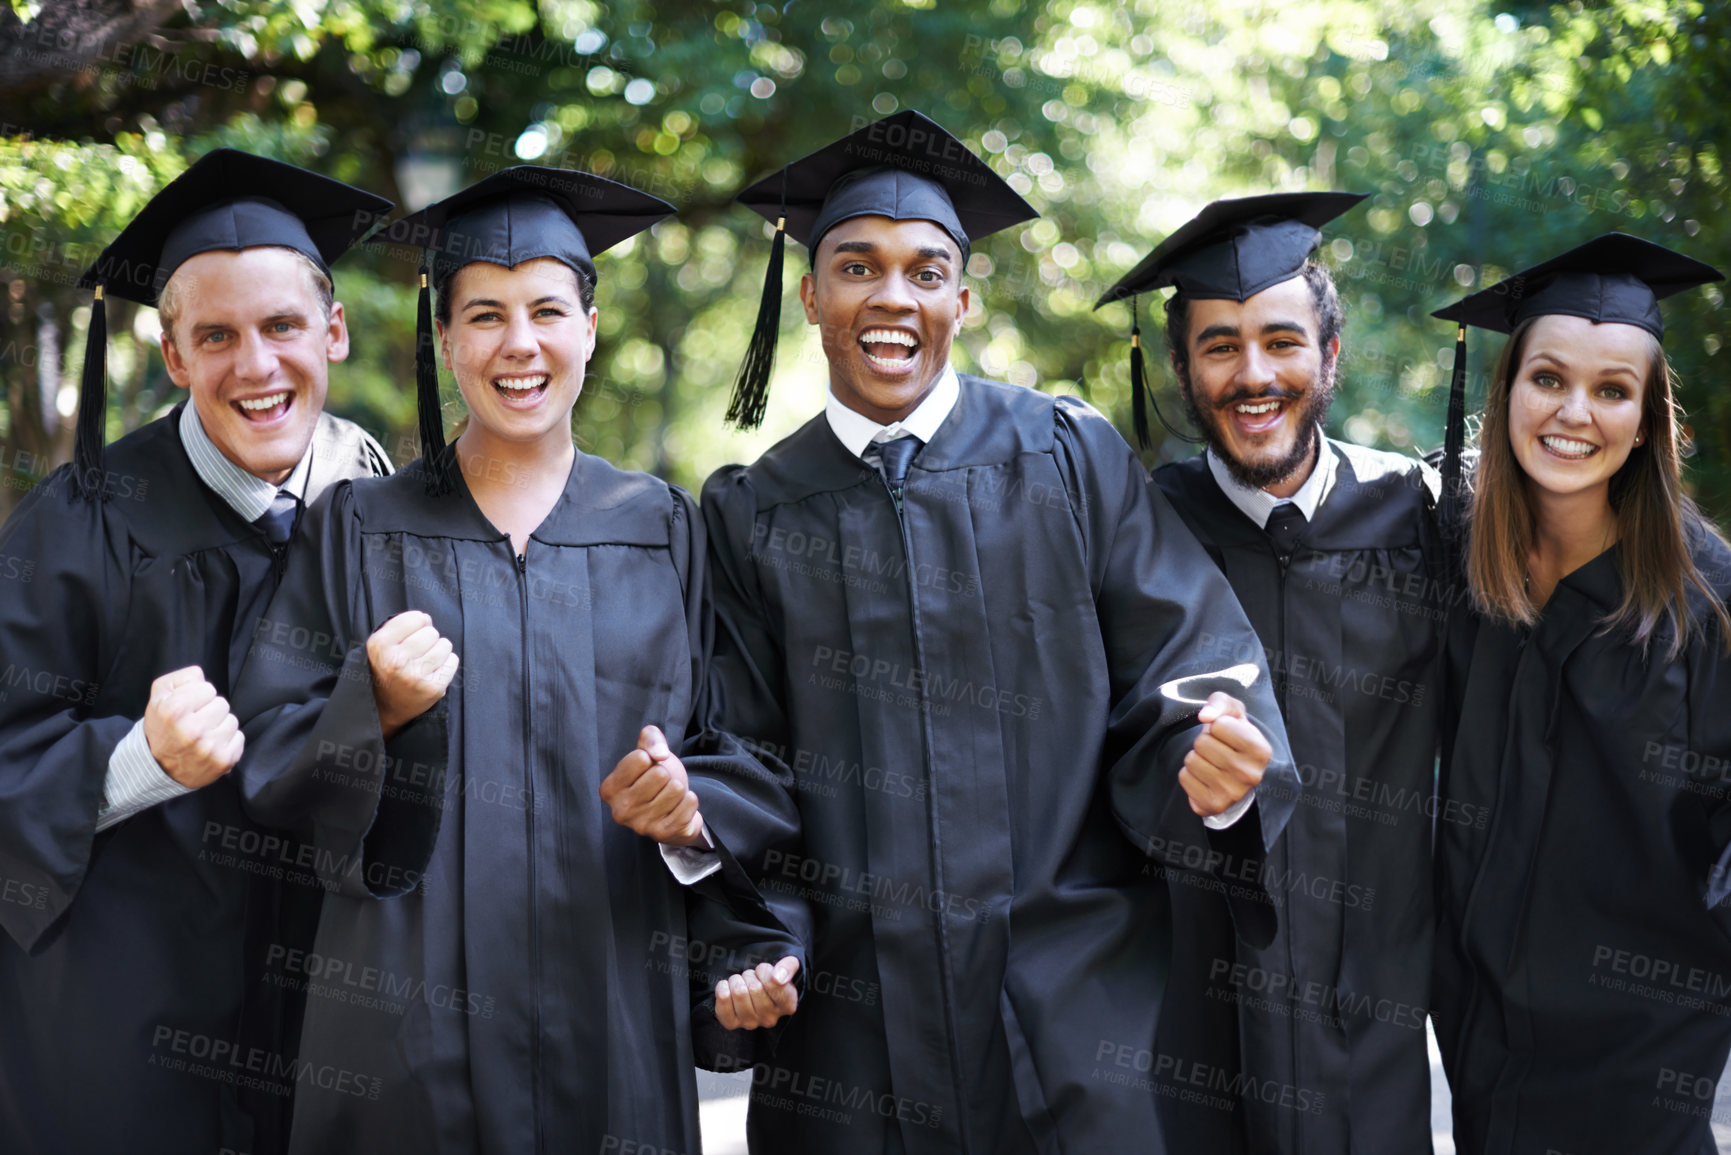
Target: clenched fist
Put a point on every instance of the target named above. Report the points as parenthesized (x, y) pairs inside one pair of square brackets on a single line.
[(190, 731), (1228, 759), (649, 792), (757, 997), (412, 667)]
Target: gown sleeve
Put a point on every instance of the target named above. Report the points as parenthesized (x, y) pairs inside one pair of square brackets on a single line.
[(316, 759), (1166, 611), (746, 789), (61, 583), (1709, 668)]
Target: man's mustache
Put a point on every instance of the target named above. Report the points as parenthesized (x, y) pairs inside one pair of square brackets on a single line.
[(1274, 394)]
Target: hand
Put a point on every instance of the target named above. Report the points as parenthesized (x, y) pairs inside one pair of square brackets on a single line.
[(650, 793), (1228, 759), (757, 997), (189, 729), (412, 666)]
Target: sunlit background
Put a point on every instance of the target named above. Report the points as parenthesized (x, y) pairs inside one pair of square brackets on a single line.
[(1490, 135)]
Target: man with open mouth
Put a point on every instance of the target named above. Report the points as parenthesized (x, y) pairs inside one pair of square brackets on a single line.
[(1330, 547), (128, 998), (945, 610)]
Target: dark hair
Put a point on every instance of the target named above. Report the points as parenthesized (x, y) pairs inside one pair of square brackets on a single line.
[(1656, 520), (442, 286), (1323, 296)]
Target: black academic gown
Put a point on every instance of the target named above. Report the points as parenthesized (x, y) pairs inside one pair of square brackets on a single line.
[(526, 987), (1583, 985), (122, 977), (963, 699), (1327, 1023)]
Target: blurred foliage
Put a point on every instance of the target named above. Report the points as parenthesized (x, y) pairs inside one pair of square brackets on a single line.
[(1490, 135)]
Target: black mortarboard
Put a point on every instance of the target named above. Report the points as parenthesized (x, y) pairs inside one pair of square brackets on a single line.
[(905, 167), (1615, 278), (518, 214), (1232, 250), (227, 199)]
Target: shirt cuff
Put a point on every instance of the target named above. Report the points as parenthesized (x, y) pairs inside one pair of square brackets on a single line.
[(1231, 814), (135, 782), (692, 864)]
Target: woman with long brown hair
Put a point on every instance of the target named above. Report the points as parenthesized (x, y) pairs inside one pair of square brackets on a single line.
[(1583, 985)]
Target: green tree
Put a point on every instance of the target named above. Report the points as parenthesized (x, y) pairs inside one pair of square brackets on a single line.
[(1489, 135)]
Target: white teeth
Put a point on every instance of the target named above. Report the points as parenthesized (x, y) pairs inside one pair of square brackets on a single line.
[(1568, 447), (521, 384), (1259, 407), (270, 402), (889, 337)]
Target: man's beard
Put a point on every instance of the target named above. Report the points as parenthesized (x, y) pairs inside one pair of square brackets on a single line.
[(1309, 410)]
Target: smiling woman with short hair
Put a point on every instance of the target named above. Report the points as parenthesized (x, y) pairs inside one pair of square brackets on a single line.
[(1590, 687)]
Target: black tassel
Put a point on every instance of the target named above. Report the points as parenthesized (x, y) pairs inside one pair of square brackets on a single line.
[(87, 459), (433, 457), (751, 386), (1454, 445), (1142, 394), (1138, 387)]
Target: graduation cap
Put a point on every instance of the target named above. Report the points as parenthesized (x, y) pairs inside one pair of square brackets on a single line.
[(228, 200), (905, 167), (1232, 250), (518, 214), (1613, 278)]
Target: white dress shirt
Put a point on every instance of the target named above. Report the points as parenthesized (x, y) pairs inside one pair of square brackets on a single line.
[(858, 432), (1258, 505), (135, 780)]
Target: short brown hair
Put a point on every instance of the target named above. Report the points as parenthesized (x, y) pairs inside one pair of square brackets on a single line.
[(168, 301)]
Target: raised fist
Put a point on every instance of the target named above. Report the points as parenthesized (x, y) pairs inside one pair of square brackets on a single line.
[(190, 731), (412, 667)]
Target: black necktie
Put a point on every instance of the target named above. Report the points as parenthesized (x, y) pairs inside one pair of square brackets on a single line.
[(278, 522), (892, 459), (1286, 525)]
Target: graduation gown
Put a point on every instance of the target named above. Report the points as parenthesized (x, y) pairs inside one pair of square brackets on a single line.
[(122, 977), (526, 984), (1583, 984), (963, 700), (1327, 1023)]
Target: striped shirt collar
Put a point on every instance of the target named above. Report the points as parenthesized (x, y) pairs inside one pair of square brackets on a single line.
[(248, 495)]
